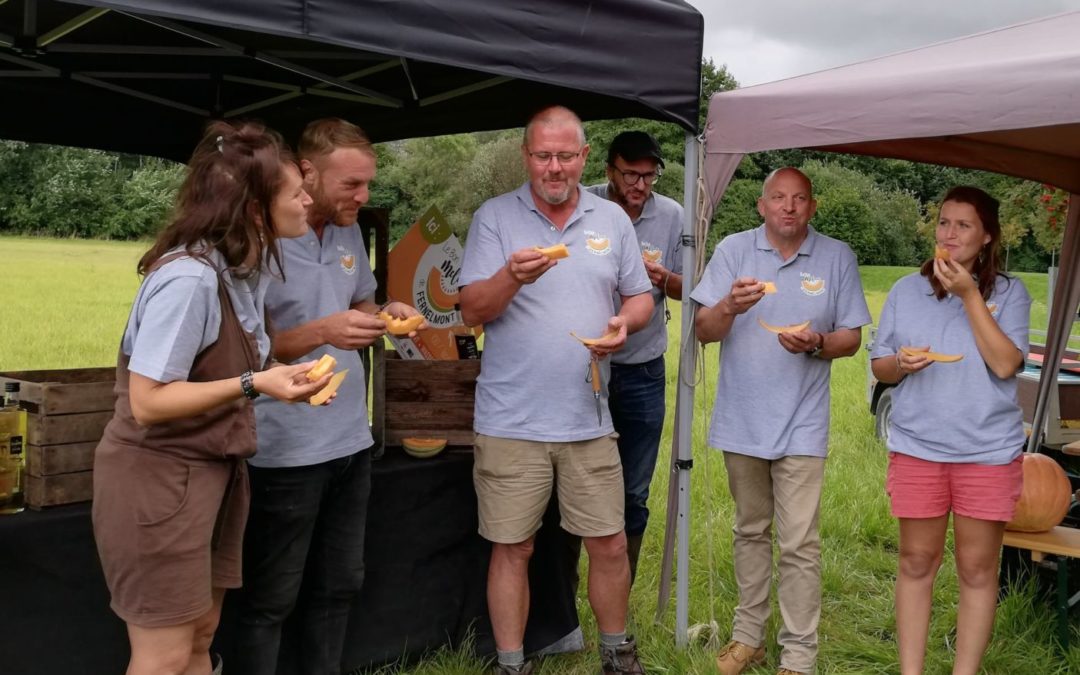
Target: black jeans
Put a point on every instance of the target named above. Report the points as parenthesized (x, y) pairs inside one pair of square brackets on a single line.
[(306, 524)]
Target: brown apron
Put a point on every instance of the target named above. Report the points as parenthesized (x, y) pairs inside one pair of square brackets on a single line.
[(171, 499)]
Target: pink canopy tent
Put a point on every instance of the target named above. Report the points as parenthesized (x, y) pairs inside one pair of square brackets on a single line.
[(1007, 101)]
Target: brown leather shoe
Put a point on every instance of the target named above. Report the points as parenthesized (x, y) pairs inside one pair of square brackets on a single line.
[(736, 657)]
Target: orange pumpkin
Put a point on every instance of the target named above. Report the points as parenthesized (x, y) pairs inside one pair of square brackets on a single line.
[(1045, 498)]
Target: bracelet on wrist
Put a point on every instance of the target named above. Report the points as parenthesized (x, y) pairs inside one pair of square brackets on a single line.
[(247, 385)]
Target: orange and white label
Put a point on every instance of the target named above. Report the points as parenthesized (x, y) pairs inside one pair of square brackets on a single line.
[(811, 285), (597, 243)]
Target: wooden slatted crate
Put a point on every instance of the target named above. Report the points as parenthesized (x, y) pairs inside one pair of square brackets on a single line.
[(415, 398), (68, 411)]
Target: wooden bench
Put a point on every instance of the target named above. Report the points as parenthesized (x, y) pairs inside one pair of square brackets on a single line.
[(1060, 541)]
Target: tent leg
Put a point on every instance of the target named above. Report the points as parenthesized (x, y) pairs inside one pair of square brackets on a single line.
[(685, 400)]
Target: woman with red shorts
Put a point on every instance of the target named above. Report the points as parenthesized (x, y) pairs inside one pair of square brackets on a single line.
[(170, 486), (956, 432)]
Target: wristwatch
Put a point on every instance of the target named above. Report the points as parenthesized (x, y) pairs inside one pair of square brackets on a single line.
[(247, 385), (816, 351)]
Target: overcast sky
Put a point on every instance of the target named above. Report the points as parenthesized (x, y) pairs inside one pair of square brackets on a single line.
[(766, 40)]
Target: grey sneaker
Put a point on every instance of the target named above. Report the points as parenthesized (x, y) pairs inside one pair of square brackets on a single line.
[(621, 659), (526, 669)]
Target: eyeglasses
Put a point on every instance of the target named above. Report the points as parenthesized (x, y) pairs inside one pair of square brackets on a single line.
[(543, 158), (632, 177)]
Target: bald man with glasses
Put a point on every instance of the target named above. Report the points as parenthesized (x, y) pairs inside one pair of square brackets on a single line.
[(636, 392), (539, 426)]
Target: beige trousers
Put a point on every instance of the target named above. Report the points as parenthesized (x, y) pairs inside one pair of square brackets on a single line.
[(786, 490)]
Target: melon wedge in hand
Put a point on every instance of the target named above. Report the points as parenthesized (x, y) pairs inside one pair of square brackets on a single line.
[(588, 342), (554, 252), (324, 366), (933, 356), (793, 328), (326, 392), (396, 326)]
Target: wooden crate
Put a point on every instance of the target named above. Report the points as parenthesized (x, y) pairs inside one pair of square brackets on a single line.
[(68, 411), (423, 399)]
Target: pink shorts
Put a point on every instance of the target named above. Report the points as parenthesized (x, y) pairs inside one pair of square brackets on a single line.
[(924, 489)]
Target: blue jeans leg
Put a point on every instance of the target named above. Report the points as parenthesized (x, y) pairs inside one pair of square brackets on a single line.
[(306, 525), (636, 400)]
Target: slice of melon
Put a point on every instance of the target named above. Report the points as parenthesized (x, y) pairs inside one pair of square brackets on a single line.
[(325, 365), (554, 252), (769, 289), (326, 392), (423, 447), (396, 326), (588, 342), (941, 253), (793, 328), (933, 356)]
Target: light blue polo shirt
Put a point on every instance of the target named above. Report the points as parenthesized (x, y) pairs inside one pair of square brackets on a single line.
[(658, 228), (321, 278), (532, 382), (771, 403), (176, 315), (953, 412)]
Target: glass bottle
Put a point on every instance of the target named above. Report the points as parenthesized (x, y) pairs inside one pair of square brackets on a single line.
[(12, 451)]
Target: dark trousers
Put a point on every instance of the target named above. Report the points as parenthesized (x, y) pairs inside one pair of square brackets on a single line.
[(636, 401), (306, 525)]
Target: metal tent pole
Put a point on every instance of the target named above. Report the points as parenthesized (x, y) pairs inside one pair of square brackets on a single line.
[(684, 413)]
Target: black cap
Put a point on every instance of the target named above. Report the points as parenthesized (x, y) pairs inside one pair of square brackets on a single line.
[(633, 146)]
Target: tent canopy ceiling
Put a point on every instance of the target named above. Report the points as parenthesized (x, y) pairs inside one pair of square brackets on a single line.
[(144, 75), (1006, 100)]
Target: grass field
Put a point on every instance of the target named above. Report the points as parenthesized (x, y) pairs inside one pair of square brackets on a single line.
[(71, 300)]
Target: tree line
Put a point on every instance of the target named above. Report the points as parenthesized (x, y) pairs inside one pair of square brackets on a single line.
[(884, 209)]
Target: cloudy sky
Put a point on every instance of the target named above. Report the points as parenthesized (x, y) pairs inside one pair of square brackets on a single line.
[(766, 40)]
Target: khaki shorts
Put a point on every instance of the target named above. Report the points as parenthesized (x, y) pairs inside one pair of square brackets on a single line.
[(513, 480)]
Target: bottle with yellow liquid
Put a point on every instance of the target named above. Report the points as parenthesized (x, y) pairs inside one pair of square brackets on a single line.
[(12, 450)]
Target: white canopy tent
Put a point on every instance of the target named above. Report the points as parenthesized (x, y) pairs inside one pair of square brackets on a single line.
[(1006, 101)]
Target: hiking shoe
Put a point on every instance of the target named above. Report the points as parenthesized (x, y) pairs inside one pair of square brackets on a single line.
[(526, 669), (736, 657), (621, 659)]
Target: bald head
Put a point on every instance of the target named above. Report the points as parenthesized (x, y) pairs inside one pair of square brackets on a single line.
[(787, 172), (787, 205), (554, 117)]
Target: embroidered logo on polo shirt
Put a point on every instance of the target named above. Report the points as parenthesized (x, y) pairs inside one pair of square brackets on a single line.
[(596, 243), (348, 260), (651, 253), (810, 284), (992, 306)]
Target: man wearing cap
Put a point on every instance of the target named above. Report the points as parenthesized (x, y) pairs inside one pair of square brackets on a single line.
[(771, 416), (536, 418), (637, 386)]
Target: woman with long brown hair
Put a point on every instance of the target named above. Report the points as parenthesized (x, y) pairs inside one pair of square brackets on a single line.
[(170, 485), (956, 433)]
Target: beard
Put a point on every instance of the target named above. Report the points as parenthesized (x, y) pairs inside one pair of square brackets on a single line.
[(555, 196)]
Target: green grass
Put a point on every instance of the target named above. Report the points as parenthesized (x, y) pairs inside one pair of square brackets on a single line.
[(67, 302)]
